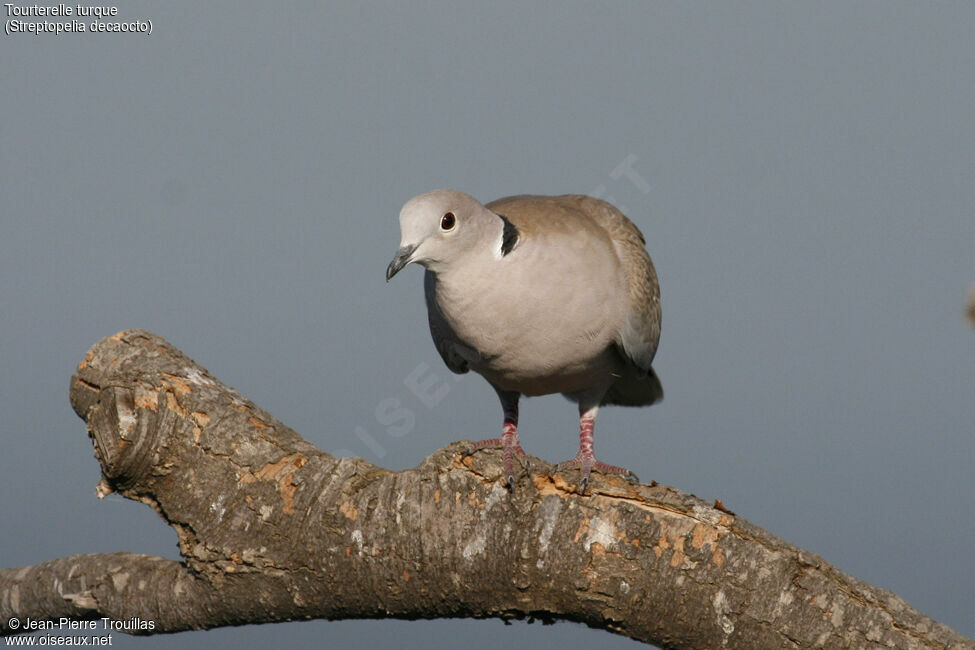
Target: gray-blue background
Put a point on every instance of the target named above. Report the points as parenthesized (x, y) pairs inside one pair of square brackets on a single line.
[(803, 173)]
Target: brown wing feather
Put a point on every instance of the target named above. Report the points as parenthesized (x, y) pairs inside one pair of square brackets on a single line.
[(640, 332)]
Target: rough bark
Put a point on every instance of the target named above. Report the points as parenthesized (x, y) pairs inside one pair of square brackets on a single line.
[(273, 529)]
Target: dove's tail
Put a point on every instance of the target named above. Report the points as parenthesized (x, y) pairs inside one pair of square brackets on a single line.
[(635, 391)]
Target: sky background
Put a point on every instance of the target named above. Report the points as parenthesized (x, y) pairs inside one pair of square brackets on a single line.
[(804, 174)]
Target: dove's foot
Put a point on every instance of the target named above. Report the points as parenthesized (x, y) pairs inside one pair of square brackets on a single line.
[(512, 447), (587, 462), (585, 459)]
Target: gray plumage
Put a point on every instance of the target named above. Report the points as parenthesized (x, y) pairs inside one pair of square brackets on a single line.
[(540, 295)]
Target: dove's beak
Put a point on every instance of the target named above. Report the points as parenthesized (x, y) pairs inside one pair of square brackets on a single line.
[(403, 257)]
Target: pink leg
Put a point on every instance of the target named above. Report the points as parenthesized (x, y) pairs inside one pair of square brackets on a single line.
[(508, 441), (585, 458)]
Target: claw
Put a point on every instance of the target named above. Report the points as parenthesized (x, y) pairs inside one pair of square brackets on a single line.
[(587, 465), (512, 450)]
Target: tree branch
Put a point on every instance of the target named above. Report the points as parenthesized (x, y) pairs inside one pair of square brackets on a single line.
[(273, 529)]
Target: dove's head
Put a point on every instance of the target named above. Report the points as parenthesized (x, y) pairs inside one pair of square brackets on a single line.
[(441, 227)]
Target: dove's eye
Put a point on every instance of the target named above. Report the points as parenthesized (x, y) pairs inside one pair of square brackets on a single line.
[(448, 221)]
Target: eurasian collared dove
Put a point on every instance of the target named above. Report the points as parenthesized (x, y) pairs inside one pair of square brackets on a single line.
[(539, 295)]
